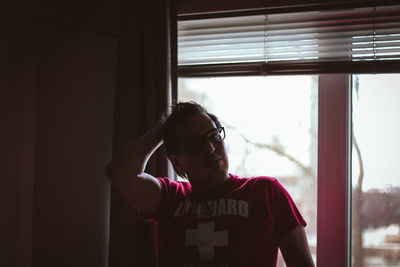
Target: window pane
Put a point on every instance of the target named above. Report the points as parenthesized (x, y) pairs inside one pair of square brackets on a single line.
[(271, 129), (376, 170)]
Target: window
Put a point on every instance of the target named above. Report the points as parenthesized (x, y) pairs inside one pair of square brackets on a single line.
[(376, 183), (329, 47), (271, 131)]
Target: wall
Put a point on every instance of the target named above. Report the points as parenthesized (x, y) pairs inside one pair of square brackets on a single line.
[(57, 75)]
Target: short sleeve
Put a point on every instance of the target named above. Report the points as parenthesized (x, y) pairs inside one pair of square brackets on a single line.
[(171, 192), (286, 214)]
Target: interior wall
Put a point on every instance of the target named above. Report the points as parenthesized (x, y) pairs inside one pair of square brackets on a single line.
[(17, 116), (73, 144), (56, 113)]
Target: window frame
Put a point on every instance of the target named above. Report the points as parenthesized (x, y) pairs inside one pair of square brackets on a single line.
[(334, 139), (334, 163), (334, 171)]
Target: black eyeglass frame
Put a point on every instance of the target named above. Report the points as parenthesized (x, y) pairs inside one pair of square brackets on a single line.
[(186, 145)]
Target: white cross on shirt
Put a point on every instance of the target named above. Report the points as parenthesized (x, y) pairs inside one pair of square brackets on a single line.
[(206, 239)]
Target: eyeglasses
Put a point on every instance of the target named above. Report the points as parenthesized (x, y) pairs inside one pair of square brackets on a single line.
[(197, 143)]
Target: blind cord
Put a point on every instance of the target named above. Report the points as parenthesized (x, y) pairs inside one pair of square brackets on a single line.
[(265, 38), (374, 34)]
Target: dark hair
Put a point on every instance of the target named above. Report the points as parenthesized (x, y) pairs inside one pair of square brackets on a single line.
[(180, 113)]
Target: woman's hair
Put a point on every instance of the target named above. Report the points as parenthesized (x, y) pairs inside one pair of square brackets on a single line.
[(181, 112)]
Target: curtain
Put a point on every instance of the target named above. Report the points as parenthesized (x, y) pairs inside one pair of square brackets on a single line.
[(146, 74), (56, 113)]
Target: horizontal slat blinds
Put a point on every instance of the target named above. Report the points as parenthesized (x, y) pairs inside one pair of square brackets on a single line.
[(357, 34), (221, 40)]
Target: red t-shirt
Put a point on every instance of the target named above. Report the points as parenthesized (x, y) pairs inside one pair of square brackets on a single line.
[(238, 224)]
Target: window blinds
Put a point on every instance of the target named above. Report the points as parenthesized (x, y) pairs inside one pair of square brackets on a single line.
[(353, 35)]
